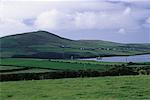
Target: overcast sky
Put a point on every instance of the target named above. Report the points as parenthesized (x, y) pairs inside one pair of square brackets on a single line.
[(112, 20)]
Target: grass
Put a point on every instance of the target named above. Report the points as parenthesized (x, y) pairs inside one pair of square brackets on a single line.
[(100, 88), (89, 62), (59, 64), (74, 65), (30, 71), (3, 68)]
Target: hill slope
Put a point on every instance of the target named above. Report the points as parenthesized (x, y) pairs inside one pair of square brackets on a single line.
[(42, 44)]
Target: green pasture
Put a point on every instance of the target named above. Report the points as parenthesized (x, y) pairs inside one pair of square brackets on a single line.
[(100, 88), (57, 64), (3, 68)]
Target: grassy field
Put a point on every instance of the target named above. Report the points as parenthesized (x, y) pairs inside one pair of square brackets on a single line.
[(61, 64), (58, 64), (4, 68), (22, 65), (101, 88), (29, 71)]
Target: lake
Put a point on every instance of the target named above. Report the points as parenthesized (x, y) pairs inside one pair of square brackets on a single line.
[(135, 58)]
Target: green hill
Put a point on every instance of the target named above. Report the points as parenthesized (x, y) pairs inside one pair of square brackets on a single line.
[(42, 44)]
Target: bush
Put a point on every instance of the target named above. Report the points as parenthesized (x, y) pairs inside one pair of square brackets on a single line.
[(142, 72)]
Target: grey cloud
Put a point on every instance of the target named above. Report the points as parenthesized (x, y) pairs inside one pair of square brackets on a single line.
[(99, 18)]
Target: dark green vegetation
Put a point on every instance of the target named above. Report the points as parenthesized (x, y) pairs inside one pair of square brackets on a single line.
[(101, 88), (27, 69), (42, 44)]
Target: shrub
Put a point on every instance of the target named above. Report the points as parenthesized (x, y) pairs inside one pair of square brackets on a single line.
[(142, 72)]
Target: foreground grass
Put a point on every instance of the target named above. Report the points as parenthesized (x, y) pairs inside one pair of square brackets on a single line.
[(101, 88)]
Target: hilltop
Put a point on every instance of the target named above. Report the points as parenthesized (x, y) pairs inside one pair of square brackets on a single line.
[(43, 44)]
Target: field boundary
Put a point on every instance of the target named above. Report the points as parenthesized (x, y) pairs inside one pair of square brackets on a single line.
[(117, 71)]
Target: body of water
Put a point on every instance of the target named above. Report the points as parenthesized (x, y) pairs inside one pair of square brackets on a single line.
[(136, 58)]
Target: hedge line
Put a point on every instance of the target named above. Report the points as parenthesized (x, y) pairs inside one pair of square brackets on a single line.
[(116, 71)]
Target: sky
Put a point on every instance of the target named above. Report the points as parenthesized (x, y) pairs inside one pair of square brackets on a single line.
[(124, 21)]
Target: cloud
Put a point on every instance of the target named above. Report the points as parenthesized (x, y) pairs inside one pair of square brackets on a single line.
[(11, 26), (122, 31), (86, 20), (49, 19), (100, 20), (127, 11), (148, 20), (147, 23), (54, 20), (76, 17)]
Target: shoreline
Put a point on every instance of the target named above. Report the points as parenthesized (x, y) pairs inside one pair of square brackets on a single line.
[(113, 56), (81, 57)]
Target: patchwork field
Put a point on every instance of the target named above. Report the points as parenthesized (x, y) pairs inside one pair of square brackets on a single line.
[(101, 88), (57, 64), (63, 64), (28, 69)]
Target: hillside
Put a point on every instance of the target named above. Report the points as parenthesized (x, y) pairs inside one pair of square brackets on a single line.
[(42, 44)]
